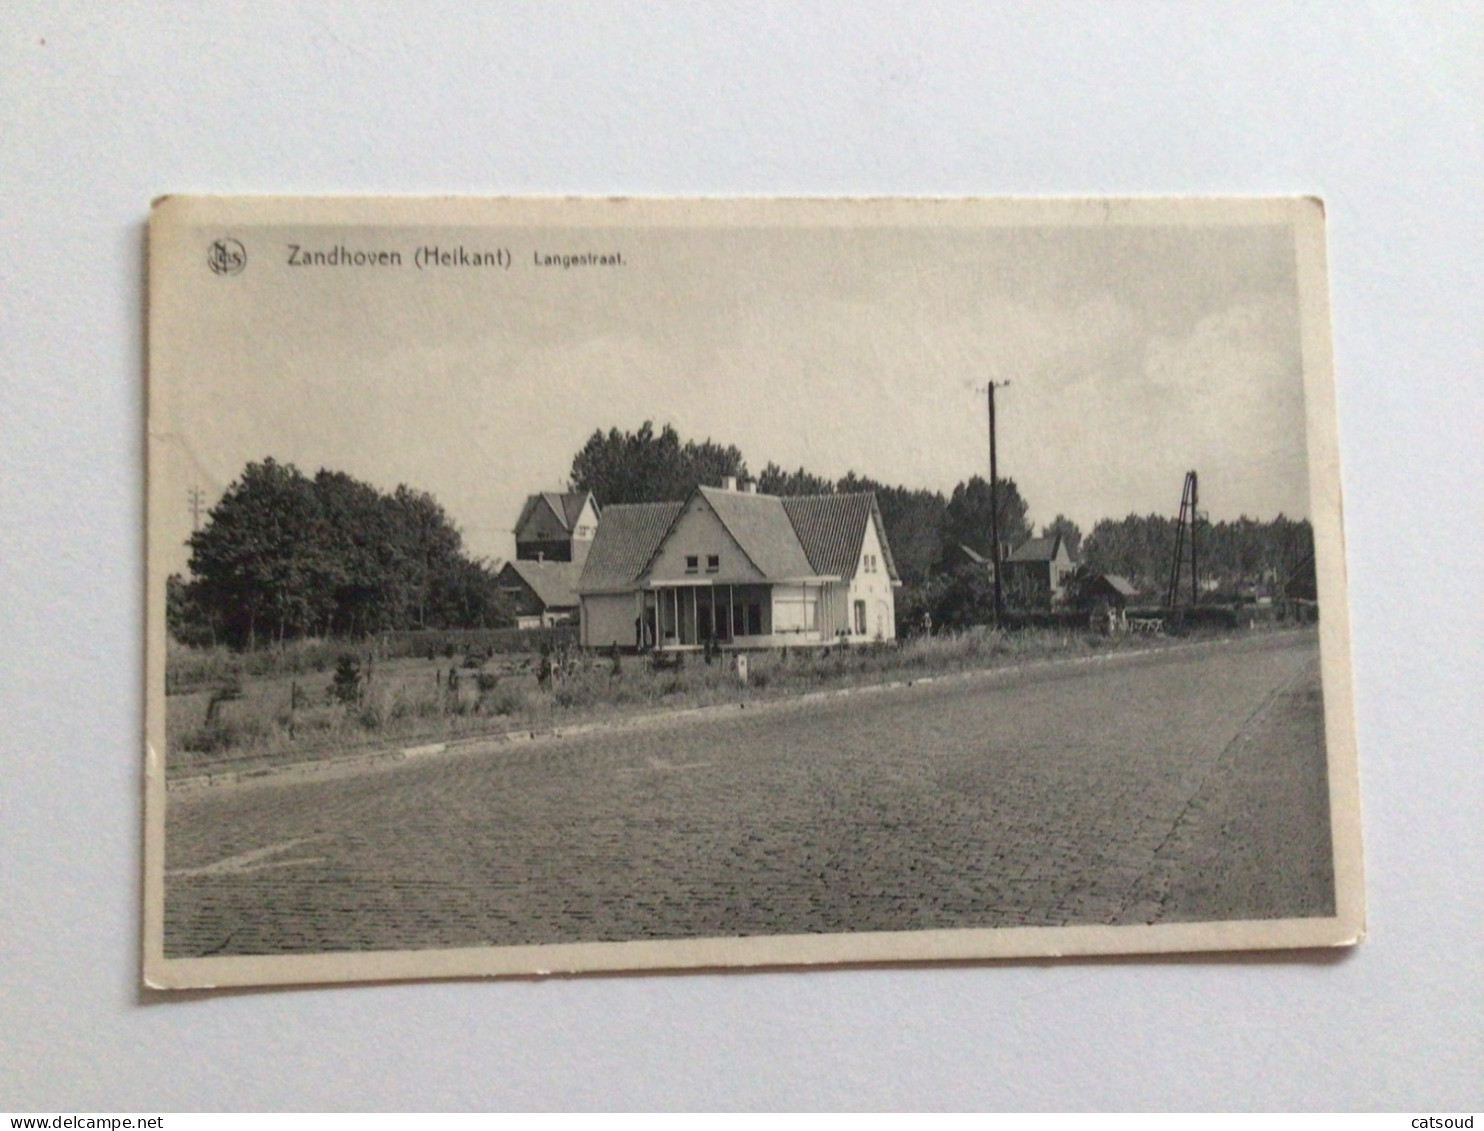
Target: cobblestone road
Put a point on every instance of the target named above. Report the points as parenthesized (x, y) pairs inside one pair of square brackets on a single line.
[(1182, 785)]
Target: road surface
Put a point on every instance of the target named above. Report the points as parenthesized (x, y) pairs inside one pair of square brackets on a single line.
[(1187, 784)]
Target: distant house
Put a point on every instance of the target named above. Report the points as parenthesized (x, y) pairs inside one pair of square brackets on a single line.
[(556, 526), (1108, 588), (1039, 569), (739, 569), (958, 556), (540, 593)]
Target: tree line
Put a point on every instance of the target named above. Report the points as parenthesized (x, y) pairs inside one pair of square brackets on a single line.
[(1234, 556), (644, 466), (927, 528), (284, 556)]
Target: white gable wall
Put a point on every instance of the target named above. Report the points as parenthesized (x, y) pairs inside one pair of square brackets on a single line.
[(699, 533), (586, 526), (871, 586)]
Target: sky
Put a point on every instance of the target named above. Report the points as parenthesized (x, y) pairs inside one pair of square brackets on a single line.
[(1132, 351)]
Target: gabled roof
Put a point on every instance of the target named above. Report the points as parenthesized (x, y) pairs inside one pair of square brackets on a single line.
[(973, 555), (565, 506), (627, 538), (763, 529), (832, 528), (554, 583), (1121, 584), (572, 503), (789, 538), (1037, 550)]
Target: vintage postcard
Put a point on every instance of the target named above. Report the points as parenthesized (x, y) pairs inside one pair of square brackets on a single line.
[(572, 585)]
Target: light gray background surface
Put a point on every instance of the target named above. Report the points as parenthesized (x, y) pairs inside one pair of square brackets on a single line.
[(1377, 108)]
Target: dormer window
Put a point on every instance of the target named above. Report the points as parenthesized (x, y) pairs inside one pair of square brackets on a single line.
[(713, 563), (692, 563)]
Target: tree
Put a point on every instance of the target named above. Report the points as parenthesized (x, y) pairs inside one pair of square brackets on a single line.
[(914, 523), (186, 619), (966, 598), (1071, 533), (466, 594), (966, 520), (641, 467), (288, 556), (373, 580), (261, 562), (430, 544), (775, 481)]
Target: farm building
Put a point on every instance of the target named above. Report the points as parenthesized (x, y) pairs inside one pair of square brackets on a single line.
[(556, 527), (1108, 588), (959, 556), (739, 569), (1039, 569), (540, 593)]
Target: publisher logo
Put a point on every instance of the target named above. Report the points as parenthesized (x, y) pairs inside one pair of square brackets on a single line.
[(226, 257)]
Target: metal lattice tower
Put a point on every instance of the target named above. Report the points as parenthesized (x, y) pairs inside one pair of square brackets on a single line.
[(1189, 497)]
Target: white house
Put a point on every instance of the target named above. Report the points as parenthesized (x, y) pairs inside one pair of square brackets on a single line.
[(740, 569)]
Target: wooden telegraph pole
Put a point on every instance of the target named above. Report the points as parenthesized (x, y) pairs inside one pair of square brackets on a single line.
[(1195, 591), (994, 511)]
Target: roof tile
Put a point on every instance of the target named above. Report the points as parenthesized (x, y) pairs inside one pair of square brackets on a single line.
[(555, 583), (763, 529), (628, 534), (832, 530)]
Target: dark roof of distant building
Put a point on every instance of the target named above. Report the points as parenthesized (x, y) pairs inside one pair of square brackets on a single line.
[(627, 538), (554, 583), (1037, 549), (1120, 583), (972, 554), (565, 505)]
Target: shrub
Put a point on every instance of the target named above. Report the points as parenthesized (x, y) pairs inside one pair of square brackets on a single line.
[(505, 700), (346, 683), (222, 735), (571, 695)]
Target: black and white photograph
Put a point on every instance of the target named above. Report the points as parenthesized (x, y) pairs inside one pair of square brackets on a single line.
[(579, 584)]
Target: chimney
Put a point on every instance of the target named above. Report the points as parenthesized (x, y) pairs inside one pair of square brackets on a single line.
[(728, 482), (749, 488)]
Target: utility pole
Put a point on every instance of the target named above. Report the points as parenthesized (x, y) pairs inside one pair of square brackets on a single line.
[(1195, 593), (994, 511), (194, 499)]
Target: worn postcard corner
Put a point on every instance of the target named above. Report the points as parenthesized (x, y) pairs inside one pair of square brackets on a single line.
[(574, 585)]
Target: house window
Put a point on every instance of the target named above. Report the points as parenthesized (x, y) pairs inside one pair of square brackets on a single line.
[(692, 563), (713, 563), (860, 618), (749, 620)]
